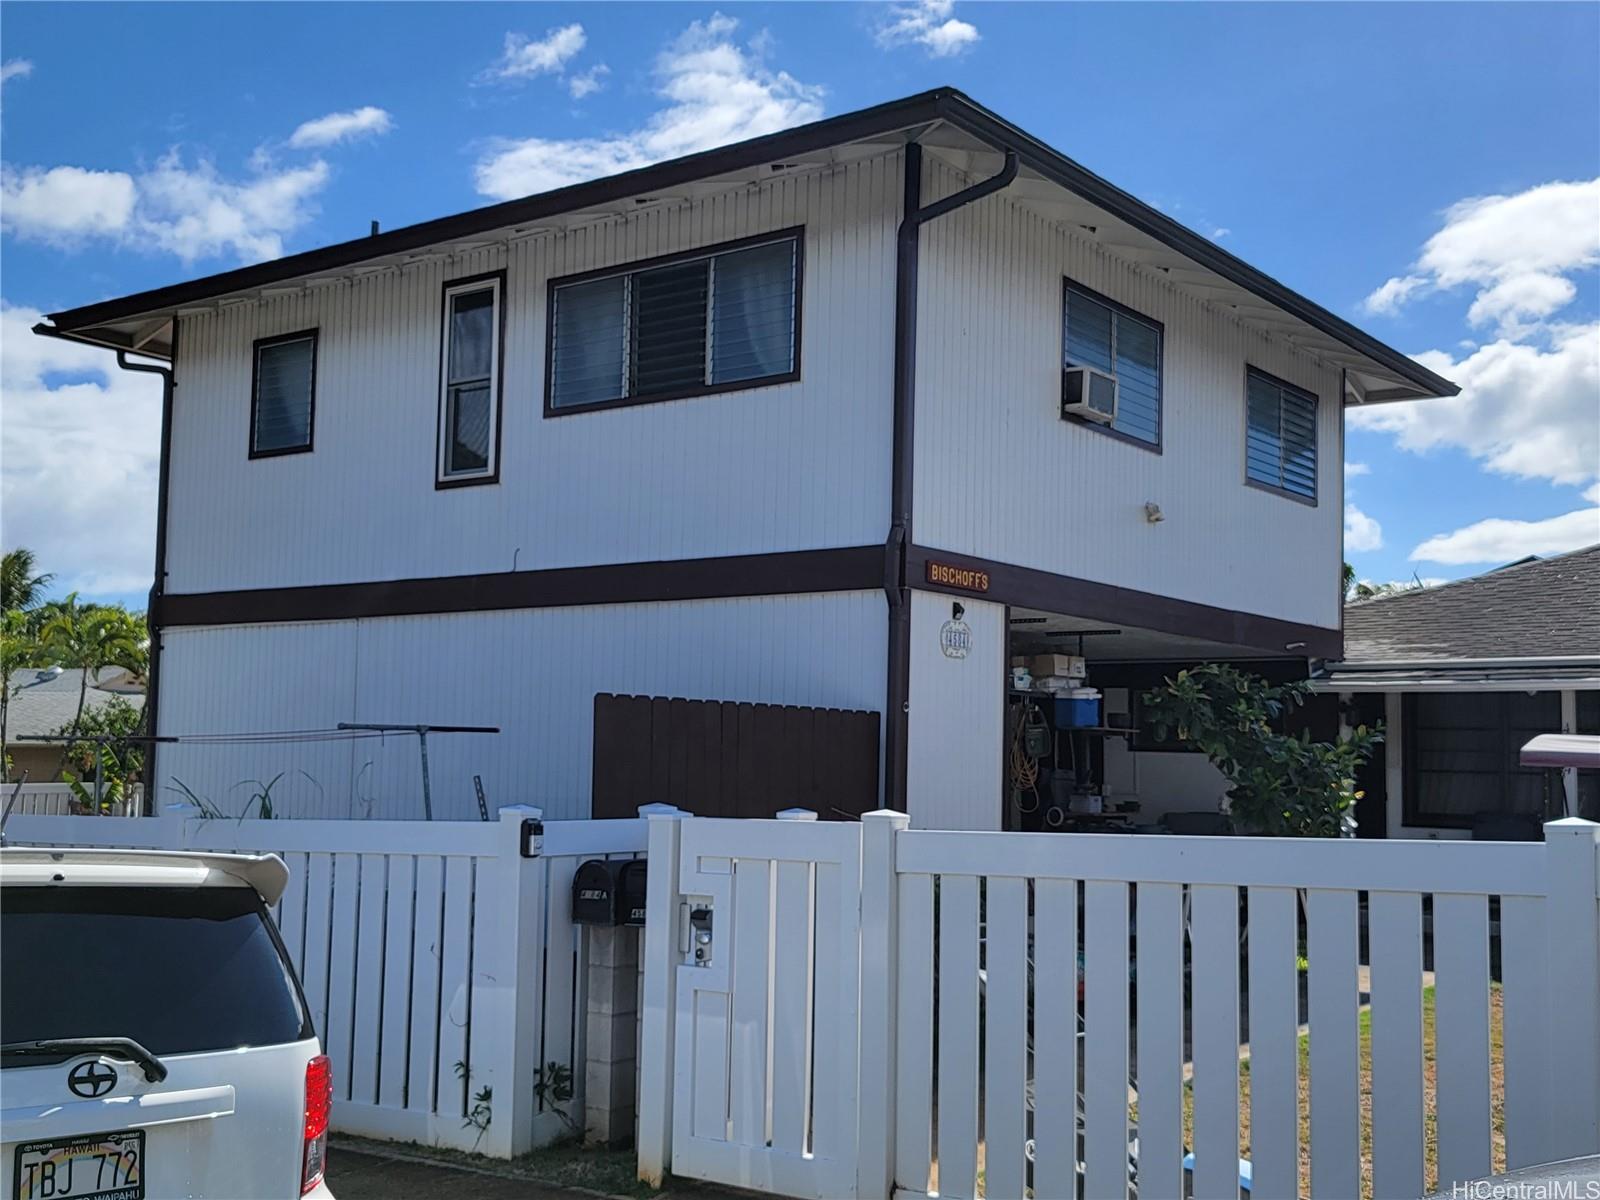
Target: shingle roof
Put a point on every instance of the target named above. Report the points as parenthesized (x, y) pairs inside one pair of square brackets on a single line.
[(1541, 608), (42, 702)]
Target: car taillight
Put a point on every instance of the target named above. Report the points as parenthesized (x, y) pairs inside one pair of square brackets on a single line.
[(319, 1099)]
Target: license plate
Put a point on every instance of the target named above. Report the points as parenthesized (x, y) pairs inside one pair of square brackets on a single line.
[(97, 1166)]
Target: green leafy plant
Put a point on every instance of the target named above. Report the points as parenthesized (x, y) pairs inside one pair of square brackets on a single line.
[(207, 807), (480, 1115), (19, 647), (553, 1087), (1281, 783), (118, 764)]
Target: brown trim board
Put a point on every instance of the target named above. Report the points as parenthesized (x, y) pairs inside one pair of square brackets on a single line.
[(1028, 587), (855, 568)]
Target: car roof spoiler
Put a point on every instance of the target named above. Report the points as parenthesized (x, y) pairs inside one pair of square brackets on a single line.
[(266, 873)]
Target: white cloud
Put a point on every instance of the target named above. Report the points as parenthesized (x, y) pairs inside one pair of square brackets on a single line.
[(1516, 250), (337, 127), (78, 459), (1393, 293), (929, 24), (1499, 541), (190, 211), (16, 68), (715, 91), (194, 213), (62, 204), (586, 83), (1517, 303), (1361, 532), (524, 58), (1352, 469), (1526, 410)]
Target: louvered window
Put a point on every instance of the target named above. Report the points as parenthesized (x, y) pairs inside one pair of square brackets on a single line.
[(283, 394), (469, 390), (1280, 436), (709, 322), (1101, 334)]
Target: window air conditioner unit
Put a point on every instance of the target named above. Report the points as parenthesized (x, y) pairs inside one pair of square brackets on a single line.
[(1088, 393)]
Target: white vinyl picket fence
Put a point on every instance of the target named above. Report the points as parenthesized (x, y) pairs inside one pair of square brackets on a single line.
[(437, 960), (881, 1011), (59, 800)]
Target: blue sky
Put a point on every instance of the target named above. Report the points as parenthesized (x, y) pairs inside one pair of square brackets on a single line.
[(1451, 153)]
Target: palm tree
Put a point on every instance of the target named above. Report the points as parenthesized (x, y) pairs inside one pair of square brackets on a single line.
[(19, 648), (89, 638), (20, 588)]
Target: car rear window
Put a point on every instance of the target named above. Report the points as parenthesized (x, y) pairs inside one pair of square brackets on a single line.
[(178, 970)]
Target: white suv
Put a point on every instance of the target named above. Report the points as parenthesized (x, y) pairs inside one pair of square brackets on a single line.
[(153, 1039)]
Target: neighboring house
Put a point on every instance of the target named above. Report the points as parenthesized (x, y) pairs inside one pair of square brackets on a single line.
[(728, 428), (43, 700), (1462, 675)]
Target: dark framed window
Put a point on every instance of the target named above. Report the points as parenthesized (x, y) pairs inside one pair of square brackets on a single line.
[(470, 374), (712, 320), (1460, 753), (1280, 440), (283, 394), (1098, 332)]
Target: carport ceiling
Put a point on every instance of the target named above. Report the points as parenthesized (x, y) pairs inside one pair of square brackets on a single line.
[(1036, 632)]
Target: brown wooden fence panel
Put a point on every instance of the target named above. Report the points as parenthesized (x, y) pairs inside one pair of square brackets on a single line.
[(719, 758)]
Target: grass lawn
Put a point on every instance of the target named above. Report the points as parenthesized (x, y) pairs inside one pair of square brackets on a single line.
[(1496, 1091)]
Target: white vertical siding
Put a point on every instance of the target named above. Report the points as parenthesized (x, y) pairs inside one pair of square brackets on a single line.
[(532, 673), (795, 466), (957, 721), (998, 474)]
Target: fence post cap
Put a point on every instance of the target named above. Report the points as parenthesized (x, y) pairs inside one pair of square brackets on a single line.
[(1576, 826), (797, 814), (669, 811), (520, 812), (889, 816)]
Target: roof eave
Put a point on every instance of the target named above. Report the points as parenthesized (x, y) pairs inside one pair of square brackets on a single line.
[(867, 122), (940, 104), (967, 114)]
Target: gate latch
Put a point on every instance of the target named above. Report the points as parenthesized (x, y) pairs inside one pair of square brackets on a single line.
[(700, 935)]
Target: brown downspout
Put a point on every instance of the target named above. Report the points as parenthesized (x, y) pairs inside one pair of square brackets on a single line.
[(895, 585), (158, 587)]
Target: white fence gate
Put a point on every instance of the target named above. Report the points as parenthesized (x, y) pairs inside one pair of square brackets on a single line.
[(436, 960), (766, 1005), (1087, 1015)]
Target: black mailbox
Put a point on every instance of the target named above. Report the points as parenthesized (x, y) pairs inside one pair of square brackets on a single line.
[(594, 892), (631, 892)]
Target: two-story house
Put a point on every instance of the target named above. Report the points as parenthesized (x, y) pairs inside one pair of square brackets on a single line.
[(842, 418)]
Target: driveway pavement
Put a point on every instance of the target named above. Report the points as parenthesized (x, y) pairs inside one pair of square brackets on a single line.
[(356, 1176), (372, 1174)]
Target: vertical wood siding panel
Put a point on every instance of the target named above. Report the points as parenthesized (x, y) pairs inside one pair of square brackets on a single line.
[(1001, 476), (796, 466)]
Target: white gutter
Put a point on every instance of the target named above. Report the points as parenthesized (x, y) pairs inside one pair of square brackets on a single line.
[(1451, 664)]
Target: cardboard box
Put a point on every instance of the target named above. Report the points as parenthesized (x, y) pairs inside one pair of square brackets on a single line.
[(1067, 666)]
